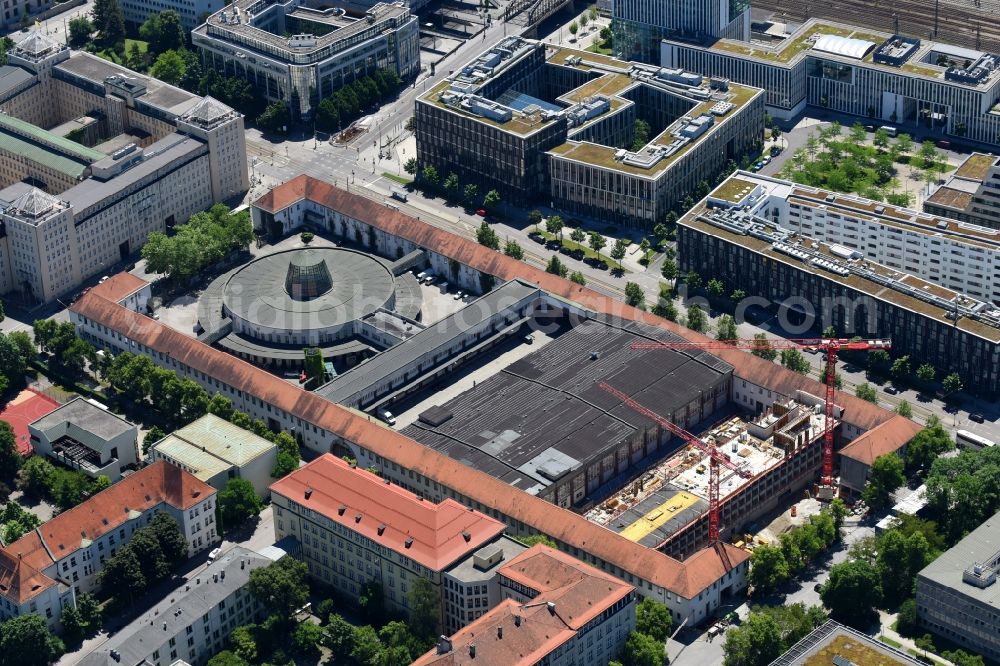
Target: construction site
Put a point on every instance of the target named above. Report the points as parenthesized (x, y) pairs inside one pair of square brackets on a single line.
[(660, 508)]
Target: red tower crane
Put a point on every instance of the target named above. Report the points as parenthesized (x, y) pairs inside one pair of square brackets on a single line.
[(715, 457), (830, 346)]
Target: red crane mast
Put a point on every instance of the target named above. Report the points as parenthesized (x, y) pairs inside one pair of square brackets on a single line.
[(830, 346), (715, 457)]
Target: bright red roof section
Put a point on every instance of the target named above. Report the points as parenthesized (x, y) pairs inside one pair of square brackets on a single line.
[(26, 407), (438, 534)]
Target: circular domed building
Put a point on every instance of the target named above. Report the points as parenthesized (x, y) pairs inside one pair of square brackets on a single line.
[(346, 302)]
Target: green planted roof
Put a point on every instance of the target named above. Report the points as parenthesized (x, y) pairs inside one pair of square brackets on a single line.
[(71, 148), (12, 143)]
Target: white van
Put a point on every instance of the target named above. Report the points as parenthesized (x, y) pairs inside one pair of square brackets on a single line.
[(387, 416), (890, 130)]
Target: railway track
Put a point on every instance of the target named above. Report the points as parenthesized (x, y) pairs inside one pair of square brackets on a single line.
[(969, 23)]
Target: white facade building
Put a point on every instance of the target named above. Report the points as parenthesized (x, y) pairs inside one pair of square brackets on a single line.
[(87, 437)]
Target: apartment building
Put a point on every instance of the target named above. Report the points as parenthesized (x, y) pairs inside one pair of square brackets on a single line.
[(192, 623), (192, 13), (86, 436), (957, 594), (70, 550), (555, 610), (957, 255), (559, 123), (301, 51), (971, 194), (730, 236), (356, 528), (70, 211), (24, 589), (891, 79)]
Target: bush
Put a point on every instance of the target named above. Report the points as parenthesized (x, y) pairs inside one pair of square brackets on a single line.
[(306, 237)]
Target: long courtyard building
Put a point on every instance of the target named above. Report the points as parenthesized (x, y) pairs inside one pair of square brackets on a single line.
[(971, 194), (758, 234), (692, 588), (559, 125), (892, 79)]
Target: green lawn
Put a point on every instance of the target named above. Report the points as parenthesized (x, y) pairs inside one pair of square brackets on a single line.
[(402, 180), (599, 48), (143, 46)]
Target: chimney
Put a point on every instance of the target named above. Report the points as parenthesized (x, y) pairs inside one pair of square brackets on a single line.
[(517, 620), (164, 626), (409, 542), (357, 518), (341, 509), (500, 632), (308, 493), (381, 530), (466, 536), (243, 565), (552, 607), (444, 645), (472, 650)]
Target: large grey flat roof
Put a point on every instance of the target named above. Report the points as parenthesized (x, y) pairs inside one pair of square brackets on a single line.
[(11, 77), (147, 633), (545, 415), (162, 154), (86, 416), (436, 336), (981, 546)]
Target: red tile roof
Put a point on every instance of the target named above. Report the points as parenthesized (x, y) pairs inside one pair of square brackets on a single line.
[(26, 407), (19, 581), (887, 438), (438, 534), (159, 483), (560, 524), (579, 593), (119, 287)]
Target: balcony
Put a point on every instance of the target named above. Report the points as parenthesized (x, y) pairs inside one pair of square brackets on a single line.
[(77, 455)]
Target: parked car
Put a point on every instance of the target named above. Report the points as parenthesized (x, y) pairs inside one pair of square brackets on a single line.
[(458, 295), (977, 417), (388, 417), (891, 390), (481, 212), (214, 554)]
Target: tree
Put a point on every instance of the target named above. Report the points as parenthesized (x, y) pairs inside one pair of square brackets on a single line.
[(634, 295), (662, 233), (926, 372), (901, 368), (425, 609), (430, 175), (885, 477), (26, 641), (35, 476), (10, 458), (244, 642), (535, 217), (556, 267), (122, 574), (653, 619), (696, 318), (170, 537), (169, 67), (952, 383), (578, 235), (665, 308), (470, 192), (597, 242), (554, 225), (275, 118), (640, 134), (313, 365), (762, 348), (237, 503), (573, 28), (80, 30), (768, 568), (339, 635), (715, 288), (904, 409), (491, 200), (727, 329), (487, 237), (756, 642), (451, 185), (90, 610), (881, 138), (513, 249), (281, 586), (227, 658), (110, 22), (878, 358), (795, 361), (73, 626), (866, 391), (926, 446), (906, 618), (307, 637), (900, 558), (366, 647), (963, 658), (136, 59), (669, 269), (618, 250), (852, 593), (164, 32), (642, 650), (410, 167), (578, 278), (693, 281), (904, 143)]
